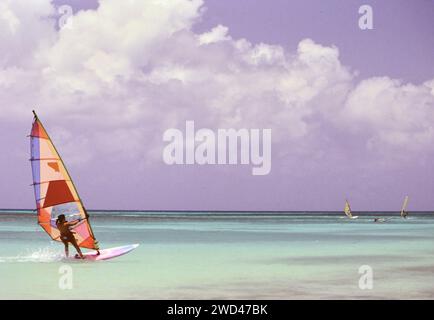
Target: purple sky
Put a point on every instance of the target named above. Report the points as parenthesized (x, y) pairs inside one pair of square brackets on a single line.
[(352, 111)]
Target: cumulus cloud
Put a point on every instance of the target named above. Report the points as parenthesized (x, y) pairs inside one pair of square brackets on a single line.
[(25, 29), (133, 69), (398, 117), (218, 33)]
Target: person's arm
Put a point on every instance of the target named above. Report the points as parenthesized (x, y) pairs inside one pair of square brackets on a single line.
[(73, 223)]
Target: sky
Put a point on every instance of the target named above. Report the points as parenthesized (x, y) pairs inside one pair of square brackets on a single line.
[(351, 110)]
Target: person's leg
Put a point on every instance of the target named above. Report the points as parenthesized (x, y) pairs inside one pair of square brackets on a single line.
[(66, 249), (74, 243)]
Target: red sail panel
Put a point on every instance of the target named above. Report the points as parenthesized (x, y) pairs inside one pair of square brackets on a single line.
[(38, 131), (55, 192), (58, 192)]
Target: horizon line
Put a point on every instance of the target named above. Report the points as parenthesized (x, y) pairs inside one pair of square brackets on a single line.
[(234, 211)]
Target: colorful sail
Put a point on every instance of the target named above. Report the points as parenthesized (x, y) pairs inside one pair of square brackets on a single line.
[(347, 209), (55, 192), (404, 212)]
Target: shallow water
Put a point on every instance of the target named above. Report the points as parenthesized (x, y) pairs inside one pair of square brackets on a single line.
[(231, 255)]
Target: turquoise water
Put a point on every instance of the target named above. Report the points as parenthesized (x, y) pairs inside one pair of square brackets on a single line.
[(224, 256)]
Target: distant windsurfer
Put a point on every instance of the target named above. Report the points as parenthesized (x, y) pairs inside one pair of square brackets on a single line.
[(66, 235)]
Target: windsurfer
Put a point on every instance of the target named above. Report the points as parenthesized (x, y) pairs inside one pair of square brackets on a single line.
[(66, 235)]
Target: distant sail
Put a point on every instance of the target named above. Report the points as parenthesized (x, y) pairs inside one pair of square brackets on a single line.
[(404, 212), (347, 209), (55, 192)]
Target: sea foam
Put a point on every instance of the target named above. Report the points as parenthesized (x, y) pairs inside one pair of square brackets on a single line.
[(46, 254)]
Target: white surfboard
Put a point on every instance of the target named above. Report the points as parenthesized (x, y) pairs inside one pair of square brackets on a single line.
[(110, 253)]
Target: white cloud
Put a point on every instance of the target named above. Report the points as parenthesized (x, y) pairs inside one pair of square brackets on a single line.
[(395, 115), (135, 68), (218, 33), (25, 28)]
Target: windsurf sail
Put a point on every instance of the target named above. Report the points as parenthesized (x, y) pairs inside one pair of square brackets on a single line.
[(347, 209), (54, 189), (404, 212)]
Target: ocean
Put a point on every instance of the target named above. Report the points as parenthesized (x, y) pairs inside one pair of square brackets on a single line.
[(224, 255)]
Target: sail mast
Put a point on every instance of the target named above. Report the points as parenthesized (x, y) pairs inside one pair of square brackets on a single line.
[(404, 213), (347, 209)]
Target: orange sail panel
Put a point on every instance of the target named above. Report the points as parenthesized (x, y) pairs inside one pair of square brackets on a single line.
[(55, 192)]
